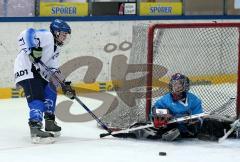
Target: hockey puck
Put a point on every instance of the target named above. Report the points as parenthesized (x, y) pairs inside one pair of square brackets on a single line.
[(162, 153)]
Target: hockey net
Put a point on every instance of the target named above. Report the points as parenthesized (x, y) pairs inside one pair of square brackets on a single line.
[(207, 53)]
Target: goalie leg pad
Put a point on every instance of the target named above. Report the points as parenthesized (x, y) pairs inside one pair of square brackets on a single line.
[(149, 133), (190, 129), (142, 133), (171, 135), (212, 129)]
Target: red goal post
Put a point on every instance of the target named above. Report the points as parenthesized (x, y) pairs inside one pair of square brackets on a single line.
[(150, 54), (208, 53)]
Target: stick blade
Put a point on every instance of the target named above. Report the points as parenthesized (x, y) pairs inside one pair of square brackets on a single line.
[(104, 135)]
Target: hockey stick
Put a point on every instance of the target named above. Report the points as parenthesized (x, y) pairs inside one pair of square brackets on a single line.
[(75, 97), (175, 120), (234, 125), (93, 115), (216, 111)]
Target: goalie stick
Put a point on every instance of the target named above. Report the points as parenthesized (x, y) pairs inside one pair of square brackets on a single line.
[(234, 125), (175, 120), (215, 112), (76, 98)]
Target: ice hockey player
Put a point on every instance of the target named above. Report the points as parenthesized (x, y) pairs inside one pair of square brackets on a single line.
[(38, 84), (179, 102)]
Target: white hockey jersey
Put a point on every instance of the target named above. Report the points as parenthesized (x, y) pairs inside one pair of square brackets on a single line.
[(35, 38)]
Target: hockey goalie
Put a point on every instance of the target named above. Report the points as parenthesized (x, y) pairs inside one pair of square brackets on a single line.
[(179, 114)]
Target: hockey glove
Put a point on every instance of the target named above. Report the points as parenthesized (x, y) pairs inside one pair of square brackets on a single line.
[(68, 91), (36, 54), (54, 77), (161, 117)]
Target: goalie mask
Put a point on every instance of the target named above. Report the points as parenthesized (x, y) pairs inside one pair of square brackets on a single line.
[(61, 32), (178, 86)]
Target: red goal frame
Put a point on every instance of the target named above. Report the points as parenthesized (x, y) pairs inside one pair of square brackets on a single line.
[(150, 35)]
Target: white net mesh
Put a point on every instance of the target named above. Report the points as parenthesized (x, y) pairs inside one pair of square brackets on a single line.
[(208, 56), (131, 106)]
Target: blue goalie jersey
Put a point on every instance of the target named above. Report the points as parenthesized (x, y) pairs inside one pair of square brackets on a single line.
[(191, 106)]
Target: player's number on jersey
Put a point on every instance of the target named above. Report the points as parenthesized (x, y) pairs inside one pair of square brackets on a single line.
[(37, 42), (22, 42)]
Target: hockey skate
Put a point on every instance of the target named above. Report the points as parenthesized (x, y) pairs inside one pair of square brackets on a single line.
[(38, 136), (170, 135), (51, 125)]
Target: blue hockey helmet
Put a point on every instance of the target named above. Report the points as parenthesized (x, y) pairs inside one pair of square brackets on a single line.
[(179, 85), (61, 32)]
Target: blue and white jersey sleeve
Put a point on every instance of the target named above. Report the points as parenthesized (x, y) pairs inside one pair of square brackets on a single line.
[(49, 54), (26, 40), (34, 38)]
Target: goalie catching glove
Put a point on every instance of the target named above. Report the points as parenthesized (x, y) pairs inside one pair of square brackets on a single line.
[(161, 117)]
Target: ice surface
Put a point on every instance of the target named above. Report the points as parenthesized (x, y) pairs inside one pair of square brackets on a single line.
[(81, 142)]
